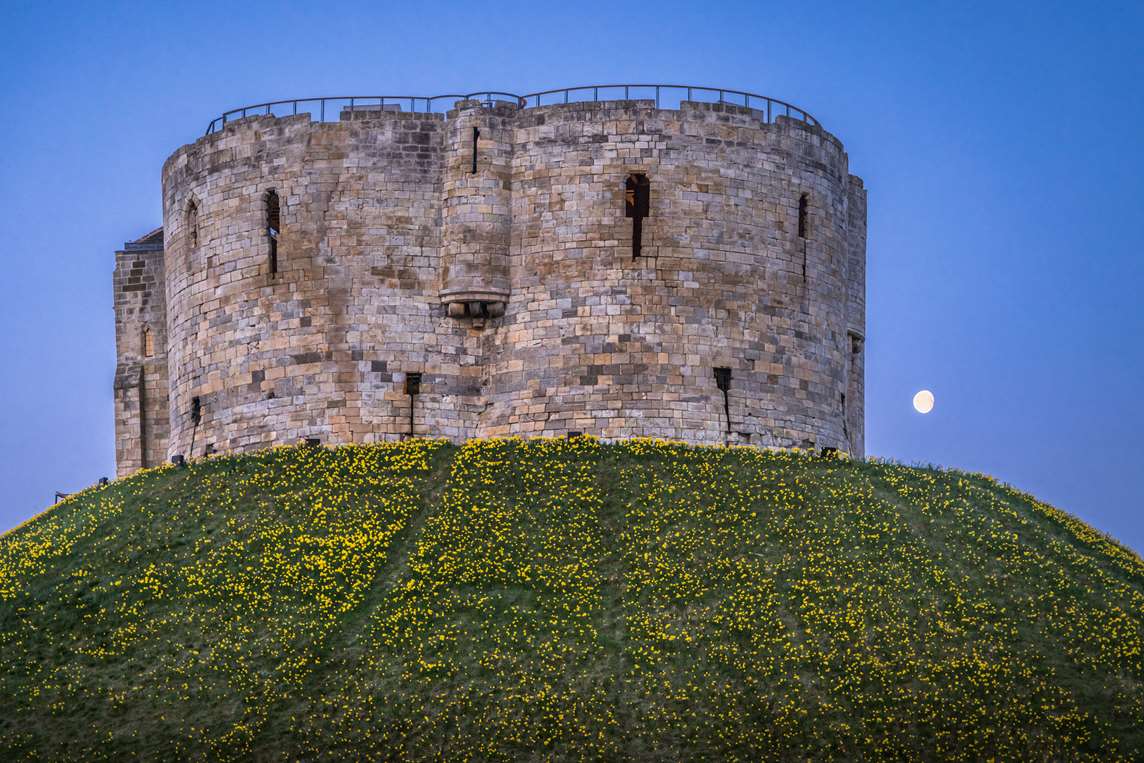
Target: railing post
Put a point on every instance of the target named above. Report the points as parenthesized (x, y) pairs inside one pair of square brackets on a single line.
[(657, 96)]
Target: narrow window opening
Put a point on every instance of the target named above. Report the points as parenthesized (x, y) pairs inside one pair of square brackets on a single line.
[(476, 134), (723, 382), (803, 203), (148, 342), (273, 225), (637, 206), (192, 224), (412, 388)]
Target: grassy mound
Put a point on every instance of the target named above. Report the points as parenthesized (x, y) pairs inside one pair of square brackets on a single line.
[(565, 599)]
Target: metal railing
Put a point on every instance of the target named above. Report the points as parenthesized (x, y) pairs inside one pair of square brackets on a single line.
[(334, 105), (670, 96), (330, 108)]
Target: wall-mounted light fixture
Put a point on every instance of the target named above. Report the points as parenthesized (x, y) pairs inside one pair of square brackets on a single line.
[(412, 388)]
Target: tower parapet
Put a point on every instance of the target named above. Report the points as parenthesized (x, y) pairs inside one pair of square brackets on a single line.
[(542, 264)]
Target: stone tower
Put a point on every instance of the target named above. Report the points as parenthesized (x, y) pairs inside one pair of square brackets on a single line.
[(505, 266)]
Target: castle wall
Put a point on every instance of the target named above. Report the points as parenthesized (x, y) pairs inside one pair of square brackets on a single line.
[(513, 290), (141, 405), (601, 341), (321, 348), (856, 317)]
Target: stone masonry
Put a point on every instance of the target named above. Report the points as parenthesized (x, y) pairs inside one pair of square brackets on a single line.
[(305, 269), (141, 408)]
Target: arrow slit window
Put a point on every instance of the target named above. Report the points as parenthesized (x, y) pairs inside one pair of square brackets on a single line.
[(637, 205), (273, 226), (476, 136), (192, 224)]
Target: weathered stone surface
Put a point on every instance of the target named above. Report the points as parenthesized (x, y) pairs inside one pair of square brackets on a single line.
[(141, 407), (387, 240)]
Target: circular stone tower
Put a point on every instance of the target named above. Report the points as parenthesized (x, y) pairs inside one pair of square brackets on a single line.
[(494, 265)]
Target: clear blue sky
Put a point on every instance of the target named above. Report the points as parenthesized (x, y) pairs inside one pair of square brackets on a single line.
[(1000, 143)]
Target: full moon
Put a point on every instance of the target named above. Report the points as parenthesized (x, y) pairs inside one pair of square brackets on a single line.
[(923, 401)]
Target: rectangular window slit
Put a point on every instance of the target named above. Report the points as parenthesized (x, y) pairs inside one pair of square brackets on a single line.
[(637, 206), (476, 134), (273, 225)]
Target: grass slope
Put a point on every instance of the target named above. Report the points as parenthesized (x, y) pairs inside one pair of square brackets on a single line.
[(566, 599)]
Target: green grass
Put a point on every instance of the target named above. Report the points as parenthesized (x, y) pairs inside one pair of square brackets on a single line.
[(565, 599)]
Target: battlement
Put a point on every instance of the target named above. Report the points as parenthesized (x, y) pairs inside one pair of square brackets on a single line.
[(673, 263)]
